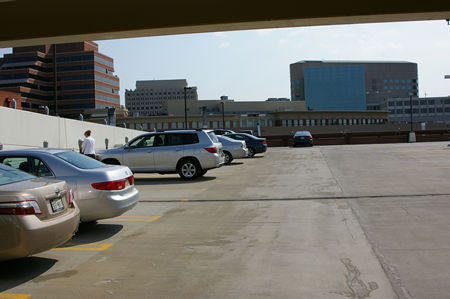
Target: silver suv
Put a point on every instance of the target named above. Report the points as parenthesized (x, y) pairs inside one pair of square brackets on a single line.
[(191, 153)]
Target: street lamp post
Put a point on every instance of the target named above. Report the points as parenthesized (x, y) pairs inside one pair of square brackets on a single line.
[(185, 108), (411, 111), (223, 115), (412, 135)]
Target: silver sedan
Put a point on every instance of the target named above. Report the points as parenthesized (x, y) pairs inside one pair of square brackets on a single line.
[(100, 190), (232, 149)]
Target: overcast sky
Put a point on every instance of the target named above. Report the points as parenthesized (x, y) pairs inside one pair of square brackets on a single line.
[(254, 64)]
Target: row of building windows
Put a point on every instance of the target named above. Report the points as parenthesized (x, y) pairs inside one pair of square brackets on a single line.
[(421, 110), (156, 93), (107, 80), (104, 61), (397, 81), (253, 123), (146, 108), (158, 98), (421, 102), (403, 87), (329, 122), (75, 58), (107, 98)]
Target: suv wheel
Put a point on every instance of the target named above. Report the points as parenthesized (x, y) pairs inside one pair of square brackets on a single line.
[(189, 169)]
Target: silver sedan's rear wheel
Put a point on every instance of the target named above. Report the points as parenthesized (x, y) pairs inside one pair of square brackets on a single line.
[(228, 157), (188, 169)]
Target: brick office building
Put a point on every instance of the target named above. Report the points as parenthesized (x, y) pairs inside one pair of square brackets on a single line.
[(8, 97), (85, 78)]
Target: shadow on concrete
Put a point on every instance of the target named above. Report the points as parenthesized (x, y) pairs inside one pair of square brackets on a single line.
[(234, 163), (16, 272), (92, 232), (171, 180)]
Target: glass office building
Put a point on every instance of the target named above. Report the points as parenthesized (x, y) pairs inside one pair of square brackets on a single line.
[(381, 80), (335, 88)]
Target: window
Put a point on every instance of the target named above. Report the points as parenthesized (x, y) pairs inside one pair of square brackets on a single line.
[(79, 160), (9, 176), (174, 139), (213, 137), (20, 163), (41, 170), (190, 138), (143, 141)]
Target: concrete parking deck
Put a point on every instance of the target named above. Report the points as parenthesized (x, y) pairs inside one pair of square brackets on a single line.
[(351, 221)]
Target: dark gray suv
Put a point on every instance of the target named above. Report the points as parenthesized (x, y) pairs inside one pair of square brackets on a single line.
[(190, 153)]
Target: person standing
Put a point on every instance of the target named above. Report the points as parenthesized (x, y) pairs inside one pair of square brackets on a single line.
[(88, 145)]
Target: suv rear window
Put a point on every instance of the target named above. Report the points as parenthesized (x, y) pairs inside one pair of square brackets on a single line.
[(213, 137), (190, 138)]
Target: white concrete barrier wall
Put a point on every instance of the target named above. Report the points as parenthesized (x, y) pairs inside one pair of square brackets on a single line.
[(23, 129)]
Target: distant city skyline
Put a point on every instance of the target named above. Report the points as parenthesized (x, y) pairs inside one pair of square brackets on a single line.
[(253, 65)]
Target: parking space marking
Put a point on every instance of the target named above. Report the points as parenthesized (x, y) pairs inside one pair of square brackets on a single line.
[(14, 296), (185, 199), (134, 218), (181, 189), (85, 247)]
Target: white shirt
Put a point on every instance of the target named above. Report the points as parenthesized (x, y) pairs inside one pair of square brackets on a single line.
[(88, 146)]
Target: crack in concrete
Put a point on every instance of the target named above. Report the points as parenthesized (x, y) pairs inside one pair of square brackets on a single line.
[(358, 289)]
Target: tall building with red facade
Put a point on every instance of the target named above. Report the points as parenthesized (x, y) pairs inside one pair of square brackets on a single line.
[(85, 78)]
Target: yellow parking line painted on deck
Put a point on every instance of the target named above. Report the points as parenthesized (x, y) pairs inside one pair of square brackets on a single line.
[(14, 296), (134, 218), (219, 181), (181, 189), (185, 199), (85, 247)]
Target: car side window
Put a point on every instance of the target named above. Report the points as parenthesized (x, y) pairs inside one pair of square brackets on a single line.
[(190, 138), (41, 170), (174, 139), (20, 163), (144, 141), (160, 140), (239, 137)]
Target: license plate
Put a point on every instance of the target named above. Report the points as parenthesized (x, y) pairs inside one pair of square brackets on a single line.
[(57, 204)]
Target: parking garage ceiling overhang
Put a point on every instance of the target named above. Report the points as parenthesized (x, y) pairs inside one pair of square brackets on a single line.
[(30, 22)]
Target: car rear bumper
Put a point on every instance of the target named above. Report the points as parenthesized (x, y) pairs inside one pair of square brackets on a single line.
[(239, 153), (108, 204), (302, 142), (212, 161), (261, 149), (25, 235)]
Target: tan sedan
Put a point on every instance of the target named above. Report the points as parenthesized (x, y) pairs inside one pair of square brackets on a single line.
[(35, 214)]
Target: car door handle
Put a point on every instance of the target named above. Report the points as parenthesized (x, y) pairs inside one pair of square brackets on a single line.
[(178, 150), (150, 152)]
